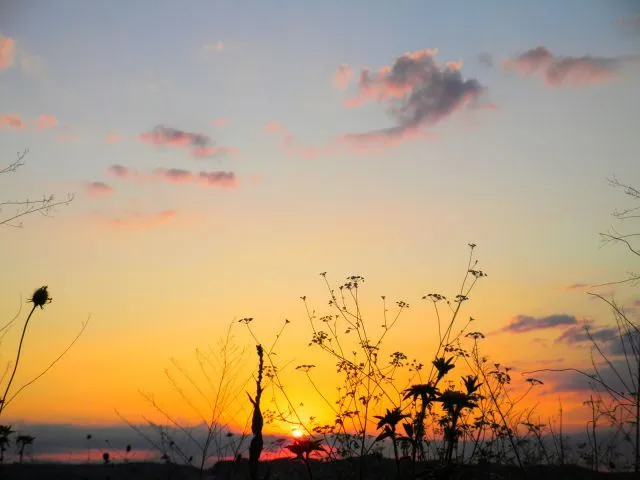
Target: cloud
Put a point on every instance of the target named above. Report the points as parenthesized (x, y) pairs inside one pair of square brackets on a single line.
[(142, 220), (113, 138), (67, 138), (559, 71), (291, 147), (208, 152), (120, 171), (391, 137), (417, 92), (632, 22), (47, 121), (12, 120), (200, 145), (615, 374), (214, 47), (609, 339), (98, 189), (577, 286), (486, 59), (578, 334), (526, 323), (220, 122), (342, 76), (31, 64), (219, 179), (7, 52)]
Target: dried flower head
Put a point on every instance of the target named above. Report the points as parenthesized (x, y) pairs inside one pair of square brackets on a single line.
[(40, 297)]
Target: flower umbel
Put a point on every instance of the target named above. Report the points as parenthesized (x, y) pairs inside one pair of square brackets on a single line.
[(40, 297)]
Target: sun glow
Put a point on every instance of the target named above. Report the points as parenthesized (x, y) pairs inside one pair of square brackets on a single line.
[(297, 432)]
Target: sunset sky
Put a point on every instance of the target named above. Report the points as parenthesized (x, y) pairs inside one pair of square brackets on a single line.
[(224, 153)]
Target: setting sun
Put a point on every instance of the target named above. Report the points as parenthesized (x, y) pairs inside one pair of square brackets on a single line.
[(297, 432)]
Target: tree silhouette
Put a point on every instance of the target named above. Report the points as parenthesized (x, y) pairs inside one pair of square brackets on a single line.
[(22, 441), (45, 206)]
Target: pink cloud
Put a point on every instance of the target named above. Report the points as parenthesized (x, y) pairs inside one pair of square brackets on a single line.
[(7, 52), (205, 152), (220, 122), (219, 179), (12, 120), (215, 47), (67, 138), (120, 171), (143, 220), (382, 139), (558, 71), (98, 189), (417, 93), (288, 144), (113, 138), (342, 76), (199, 144), (47, 121)]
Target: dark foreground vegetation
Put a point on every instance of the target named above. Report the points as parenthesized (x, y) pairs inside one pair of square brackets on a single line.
[(375, 469)]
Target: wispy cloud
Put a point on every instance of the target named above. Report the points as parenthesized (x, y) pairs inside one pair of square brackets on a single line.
[(216, 178), (577, 286), (120, 171), (142, 220), (558, 71), (485, 59), (47, 121), (199, 144), (580, 334), (11, 120), (417, 92), (220, 122), (113, 138), (31, 64), (214, 47), (7, 52), (219, 179), (380, 140), (289, 144), (99, 189), (342, 76), (526, 323)]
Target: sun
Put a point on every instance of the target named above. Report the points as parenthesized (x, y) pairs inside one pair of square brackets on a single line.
[(297, 432)]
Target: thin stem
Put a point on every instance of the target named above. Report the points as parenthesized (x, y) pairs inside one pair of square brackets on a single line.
[(15, 367)]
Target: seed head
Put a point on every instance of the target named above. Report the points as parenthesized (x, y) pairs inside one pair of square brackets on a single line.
[(40, 297)]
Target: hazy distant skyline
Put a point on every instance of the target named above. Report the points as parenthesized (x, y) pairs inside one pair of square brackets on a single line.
[(223, 154)]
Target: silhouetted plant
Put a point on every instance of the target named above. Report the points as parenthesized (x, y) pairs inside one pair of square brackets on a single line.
[(388, 423), (303, 448), (5, 432), (21, 442), (40, 298), (257, 422), (212, 396), (44, 206)]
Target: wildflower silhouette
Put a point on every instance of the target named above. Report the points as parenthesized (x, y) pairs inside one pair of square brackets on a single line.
[(388, 422), (303, 448), (39, 299)]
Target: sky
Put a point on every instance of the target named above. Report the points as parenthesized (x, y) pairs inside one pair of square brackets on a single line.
[(222, 154)]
